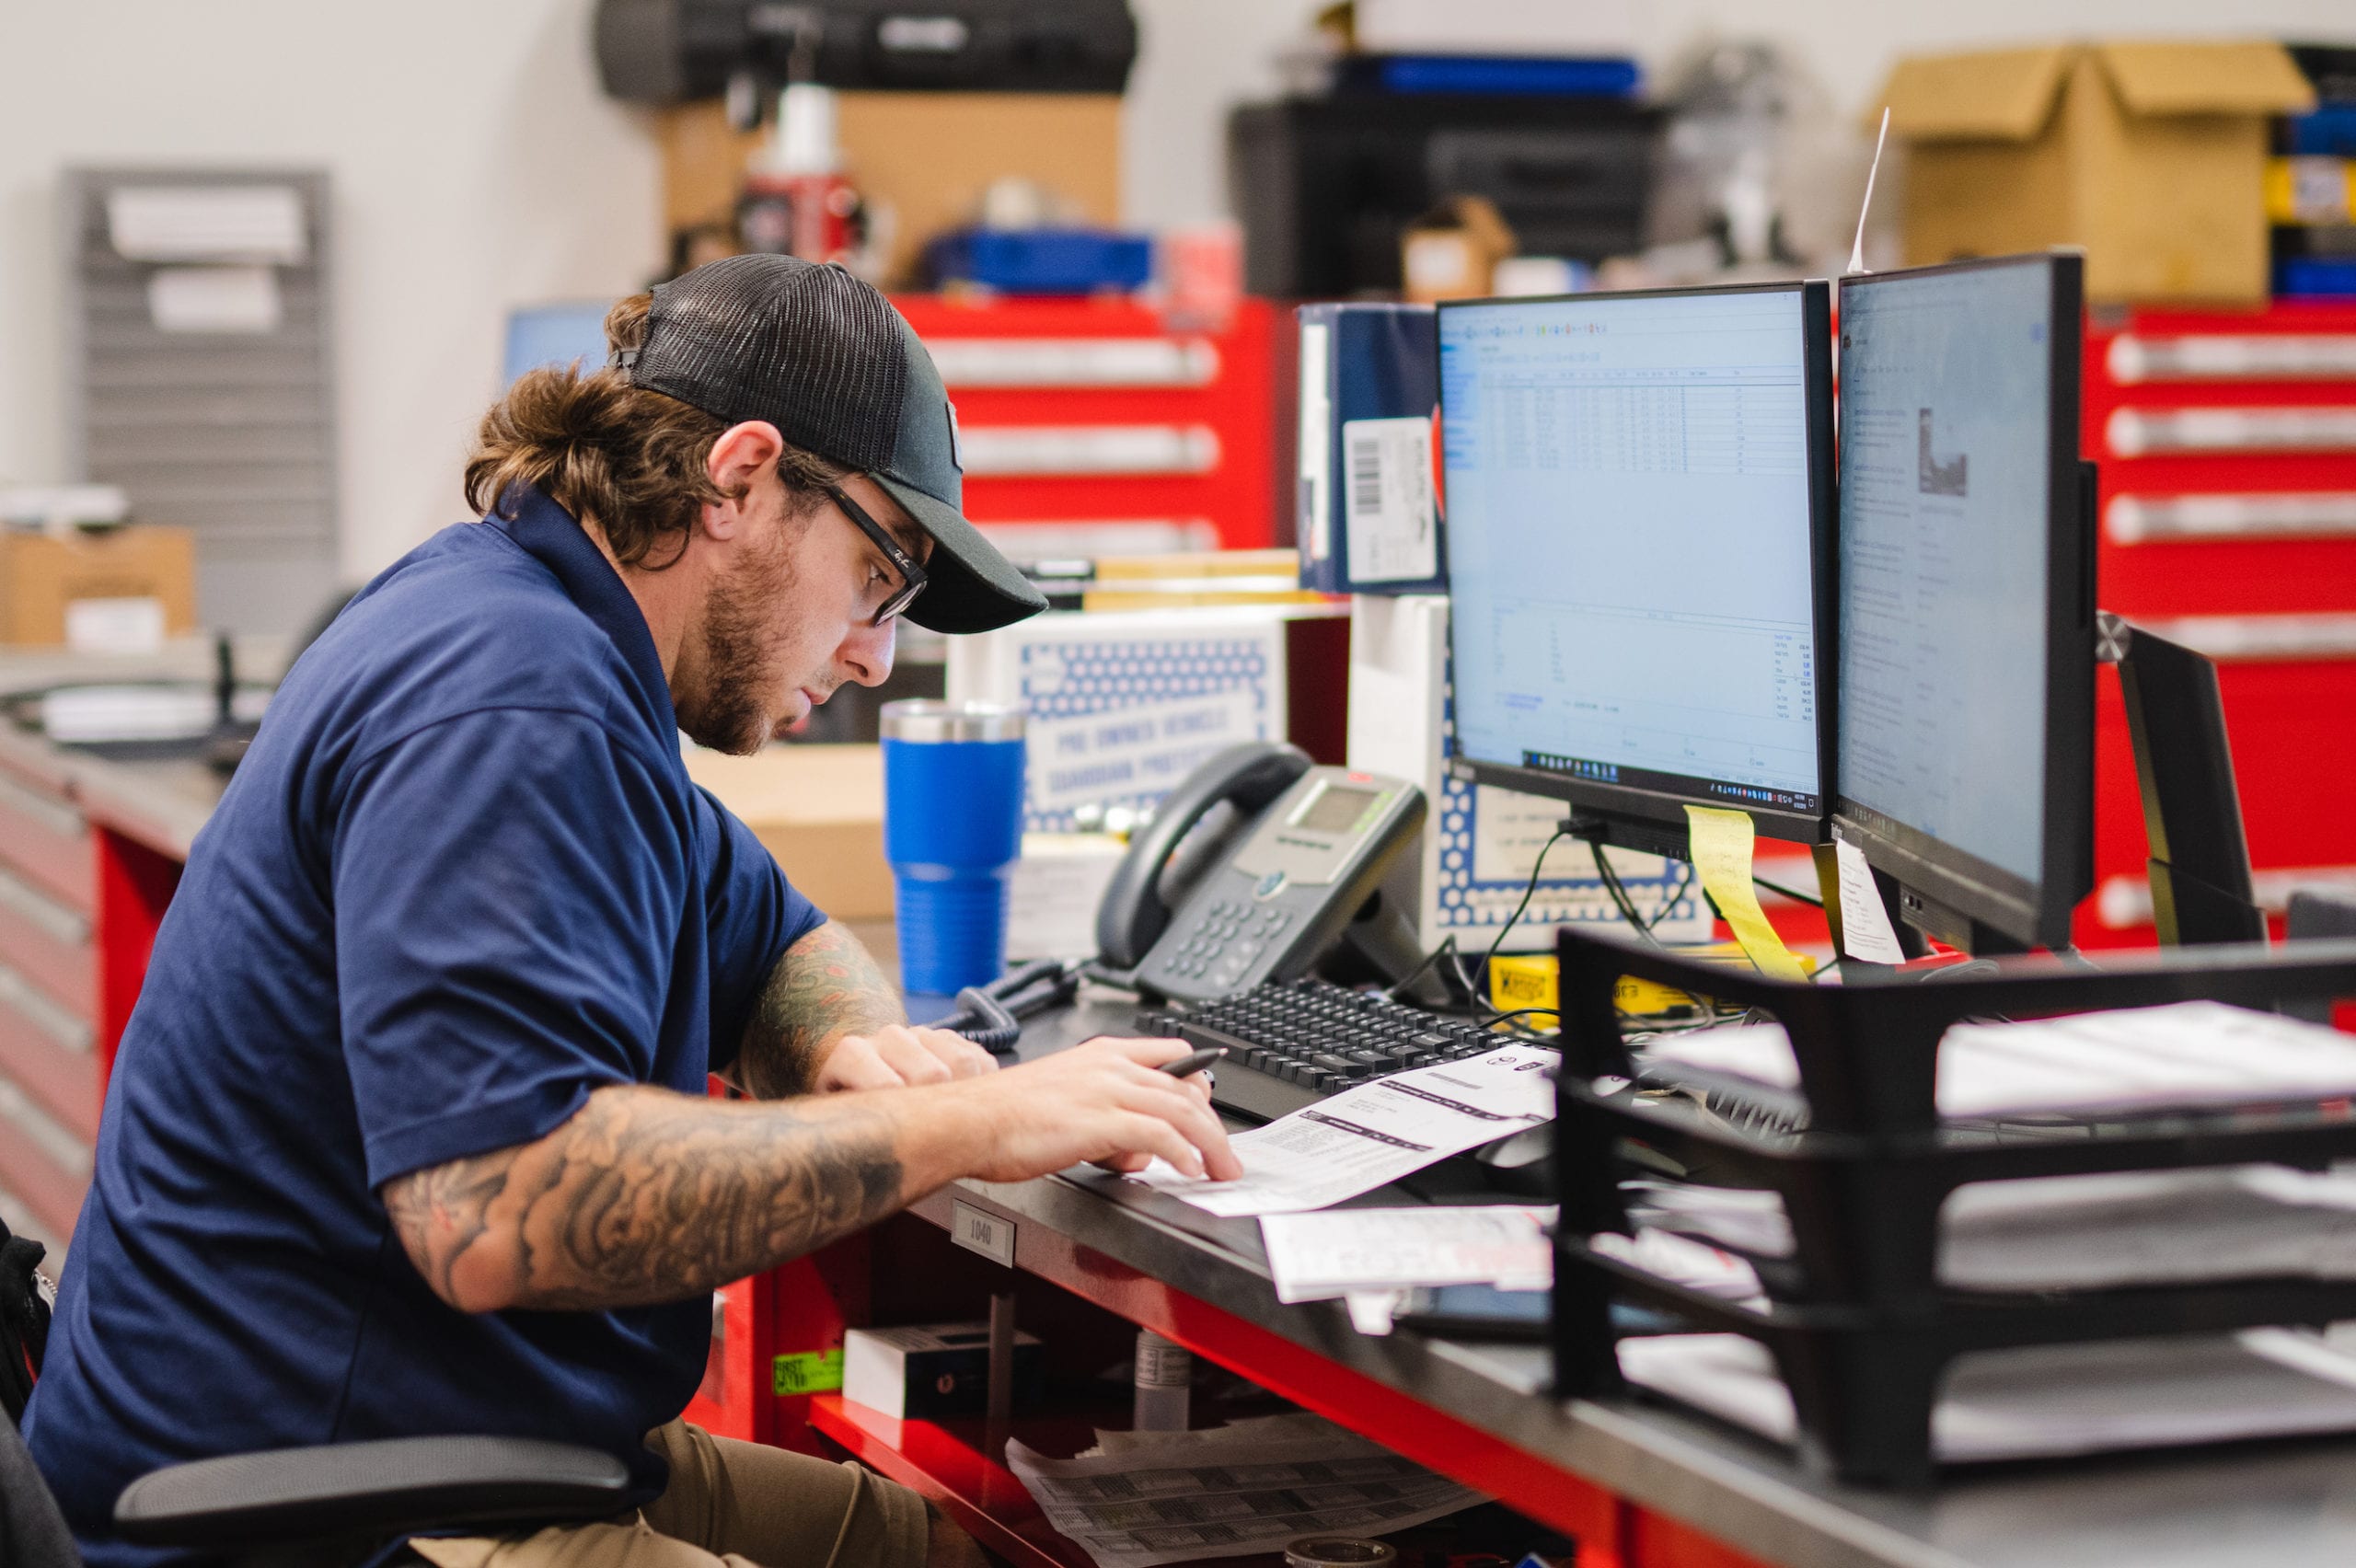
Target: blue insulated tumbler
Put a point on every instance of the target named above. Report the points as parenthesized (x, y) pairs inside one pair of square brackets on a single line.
[(952, 830)]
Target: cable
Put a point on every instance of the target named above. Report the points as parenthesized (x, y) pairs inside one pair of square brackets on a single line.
[(1447, 946), (1792, 893), (1488, 962)]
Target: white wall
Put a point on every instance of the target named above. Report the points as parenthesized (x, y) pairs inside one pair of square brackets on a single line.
[(475, 166)]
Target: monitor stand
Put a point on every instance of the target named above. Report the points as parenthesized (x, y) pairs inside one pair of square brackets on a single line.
[(1919, 913), (2199, 872)]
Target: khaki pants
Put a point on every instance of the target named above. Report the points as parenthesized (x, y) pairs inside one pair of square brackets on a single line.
[(730, 1502)]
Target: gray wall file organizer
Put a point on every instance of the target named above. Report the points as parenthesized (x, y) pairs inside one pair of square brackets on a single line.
[(222, 425)]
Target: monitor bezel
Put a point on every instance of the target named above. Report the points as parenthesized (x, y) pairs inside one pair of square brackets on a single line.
[(1666, 808), (1958, 883)]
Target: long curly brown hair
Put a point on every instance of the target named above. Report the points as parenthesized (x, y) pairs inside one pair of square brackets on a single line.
[(630, 460)]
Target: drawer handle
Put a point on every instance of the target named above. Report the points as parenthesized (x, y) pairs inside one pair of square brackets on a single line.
[(63, 1148), (52, 814), (42, 910), (60, 1023)]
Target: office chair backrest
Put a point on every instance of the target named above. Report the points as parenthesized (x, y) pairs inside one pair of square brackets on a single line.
[(32, 1532)]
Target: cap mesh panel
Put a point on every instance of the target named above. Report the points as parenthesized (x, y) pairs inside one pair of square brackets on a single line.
[(810, 349)]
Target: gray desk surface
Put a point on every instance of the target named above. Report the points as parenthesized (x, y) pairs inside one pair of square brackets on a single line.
[(160, 803), (2273, 1506)]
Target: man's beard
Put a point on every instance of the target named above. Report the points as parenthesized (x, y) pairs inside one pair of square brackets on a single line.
[(741, 631)]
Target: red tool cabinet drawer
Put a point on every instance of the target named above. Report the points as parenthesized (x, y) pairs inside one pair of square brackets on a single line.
[(1101, 415), (51, 1053), (42, 1162), (45, 839), (48, 942)]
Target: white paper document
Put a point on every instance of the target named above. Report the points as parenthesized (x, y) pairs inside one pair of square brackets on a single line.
[(1865, 931), (2049, 1400), (2184, 1054), (2078, 1232), (215, 299), (1314, 1257), (1216, 1494), (208, 223), (1375, 1133)]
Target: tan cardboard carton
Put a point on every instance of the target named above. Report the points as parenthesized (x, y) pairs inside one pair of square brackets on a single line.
[(124, 579), (2150, 155), (1452, 251), (820, 810), (927, 155)]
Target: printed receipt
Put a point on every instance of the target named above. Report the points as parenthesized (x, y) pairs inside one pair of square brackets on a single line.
[(1376, 1133)]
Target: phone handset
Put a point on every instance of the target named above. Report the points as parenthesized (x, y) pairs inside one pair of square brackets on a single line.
[(1132, 917)]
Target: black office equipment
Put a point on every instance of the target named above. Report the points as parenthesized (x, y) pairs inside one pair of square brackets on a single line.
[(2192, 809), (1325, 187), (1291, 1044), (1640, 553), (1292, 869), (1859, 1325), (1966, 591), (667, 52)]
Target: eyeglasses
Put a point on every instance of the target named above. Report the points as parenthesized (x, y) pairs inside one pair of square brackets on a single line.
[(912, 577)]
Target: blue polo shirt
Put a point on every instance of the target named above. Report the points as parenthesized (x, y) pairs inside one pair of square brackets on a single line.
[(460, 881)]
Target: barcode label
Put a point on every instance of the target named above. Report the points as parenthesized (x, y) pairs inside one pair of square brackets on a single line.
[(1389, 520), (1366, 476)]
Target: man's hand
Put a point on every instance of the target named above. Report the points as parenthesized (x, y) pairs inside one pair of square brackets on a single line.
[(1105, 1100), (898, 1056)]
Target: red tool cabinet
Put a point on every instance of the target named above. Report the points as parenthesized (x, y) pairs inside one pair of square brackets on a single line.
[(1104, 423), (2227, 442)]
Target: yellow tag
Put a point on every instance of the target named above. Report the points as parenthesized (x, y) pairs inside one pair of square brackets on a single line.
[(1722, 844), (807, 1372)]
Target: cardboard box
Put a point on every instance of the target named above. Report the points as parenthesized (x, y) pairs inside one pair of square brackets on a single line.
[(123, 590), (2151, 155), (820, 810), (1451, 251), (929, 156)]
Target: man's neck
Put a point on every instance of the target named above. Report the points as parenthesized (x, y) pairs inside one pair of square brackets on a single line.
[(663, 598)]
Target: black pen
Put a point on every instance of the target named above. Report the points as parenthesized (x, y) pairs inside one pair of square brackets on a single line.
[(1194, 1062)]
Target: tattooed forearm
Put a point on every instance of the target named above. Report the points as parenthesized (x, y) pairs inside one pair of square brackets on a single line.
[(645, 1197), (826, 987)]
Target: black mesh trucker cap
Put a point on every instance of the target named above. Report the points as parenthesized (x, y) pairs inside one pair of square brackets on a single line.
[(826, 358)]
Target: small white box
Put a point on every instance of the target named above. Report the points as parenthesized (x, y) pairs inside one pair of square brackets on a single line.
[(929, 1370)]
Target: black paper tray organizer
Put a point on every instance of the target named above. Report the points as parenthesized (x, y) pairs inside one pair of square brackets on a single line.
[(1857, 1321)]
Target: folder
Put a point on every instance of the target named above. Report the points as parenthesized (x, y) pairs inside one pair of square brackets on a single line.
[(1370, 512)]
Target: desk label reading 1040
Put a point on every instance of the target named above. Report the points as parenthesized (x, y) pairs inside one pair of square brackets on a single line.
[(979, 1231)]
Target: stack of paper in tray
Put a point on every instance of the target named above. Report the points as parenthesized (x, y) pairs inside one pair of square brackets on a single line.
[(2153, 1228), (1248, 1488)]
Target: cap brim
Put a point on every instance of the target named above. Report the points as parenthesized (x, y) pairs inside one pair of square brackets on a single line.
[(970, 586)]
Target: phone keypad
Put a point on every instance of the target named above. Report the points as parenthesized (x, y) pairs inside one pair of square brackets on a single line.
[(1226, 941)]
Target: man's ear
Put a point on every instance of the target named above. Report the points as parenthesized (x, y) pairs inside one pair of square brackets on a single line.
[(737, 459)]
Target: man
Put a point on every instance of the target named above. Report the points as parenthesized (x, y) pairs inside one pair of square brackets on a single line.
[(408, 1133)]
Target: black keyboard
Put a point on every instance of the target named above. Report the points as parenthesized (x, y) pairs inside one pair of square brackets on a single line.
[(1293, 1042)]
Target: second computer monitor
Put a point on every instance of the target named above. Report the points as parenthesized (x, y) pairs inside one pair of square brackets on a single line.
[(1967, 599), (1639, 494)]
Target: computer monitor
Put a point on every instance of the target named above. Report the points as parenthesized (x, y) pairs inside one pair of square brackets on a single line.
[(1966, 654), (1639, 494), (554, 335)]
